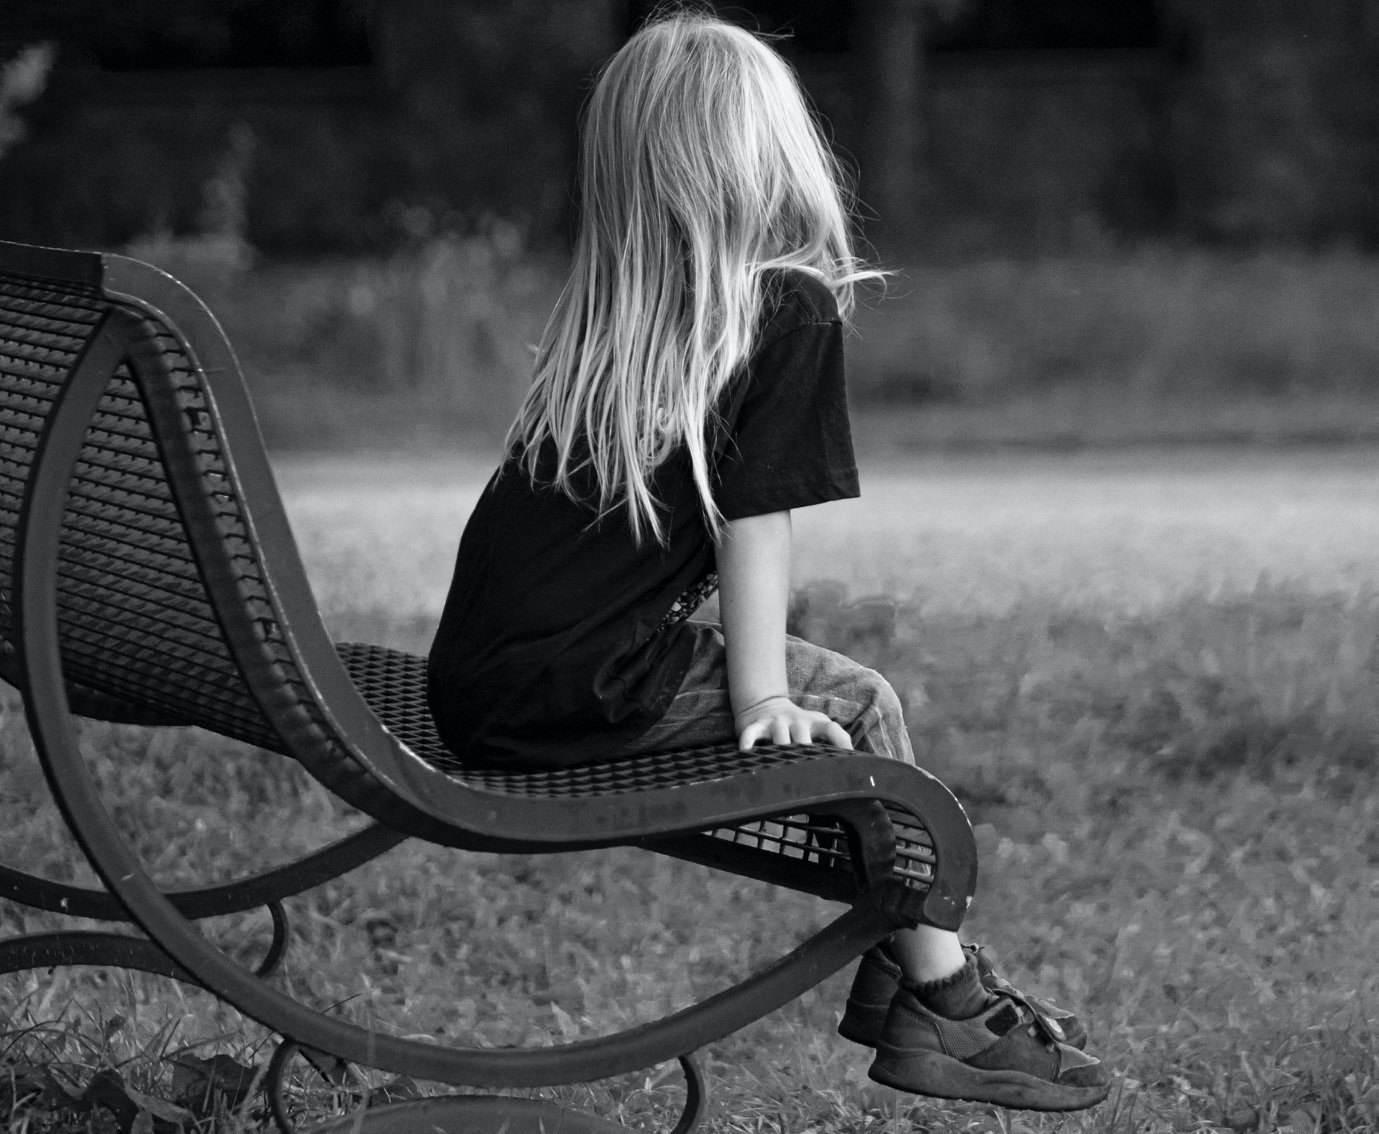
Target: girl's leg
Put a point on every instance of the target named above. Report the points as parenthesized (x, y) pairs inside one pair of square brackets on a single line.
[(865, 704), (858, 698), (941, 1021), (926, 954)]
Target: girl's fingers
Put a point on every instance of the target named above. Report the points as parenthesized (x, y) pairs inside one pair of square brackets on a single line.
[(835, 734), (794, 728)]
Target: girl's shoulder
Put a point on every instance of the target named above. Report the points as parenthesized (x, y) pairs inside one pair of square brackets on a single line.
[(795, 298)]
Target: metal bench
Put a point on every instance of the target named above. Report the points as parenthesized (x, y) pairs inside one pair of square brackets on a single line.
[(148, 575)]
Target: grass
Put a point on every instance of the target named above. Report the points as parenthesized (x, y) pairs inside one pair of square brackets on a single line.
[(1161, 345), (1173, 790), (1158, 321)]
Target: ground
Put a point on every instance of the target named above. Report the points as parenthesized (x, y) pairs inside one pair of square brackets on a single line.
[(1147, 673), (1120, 530)]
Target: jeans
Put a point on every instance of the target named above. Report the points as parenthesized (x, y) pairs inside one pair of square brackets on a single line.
[(859, 699)]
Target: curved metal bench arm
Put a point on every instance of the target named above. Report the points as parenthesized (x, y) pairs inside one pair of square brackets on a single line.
[(262, 889)]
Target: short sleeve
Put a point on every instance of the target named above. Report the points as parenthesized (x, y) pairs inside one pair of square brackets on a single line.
[(789, 443)]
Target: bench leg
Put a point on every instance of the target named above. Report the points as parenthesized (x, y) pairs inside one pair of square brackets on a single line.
[(85, 947), (121, 950)]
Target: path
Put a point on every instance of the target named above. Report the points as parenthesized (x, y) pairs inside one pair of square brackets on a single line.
[(1122, 530)]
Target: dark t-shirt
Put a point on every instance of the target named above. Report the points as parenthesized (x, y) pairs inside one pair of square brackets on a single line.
[(561, 638)]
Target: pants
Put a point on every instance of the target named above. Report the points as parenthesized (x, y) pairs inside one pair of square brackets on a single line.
[(859, 699)]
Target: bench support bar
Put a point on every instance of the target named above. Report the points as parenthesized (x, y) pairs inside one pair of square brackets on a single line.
[(472, 1114)]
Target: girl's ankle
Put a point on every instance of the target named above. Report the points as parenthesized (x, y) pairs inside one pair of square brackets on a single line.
[(956, 997)]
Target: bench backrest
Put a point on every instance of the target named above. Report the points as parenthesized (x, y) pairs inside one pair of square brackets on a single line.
[(142, 635), (180, 595)]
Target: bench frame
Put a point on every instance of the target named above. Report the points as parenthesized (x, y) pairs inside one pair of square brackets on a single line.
[(848, 852)]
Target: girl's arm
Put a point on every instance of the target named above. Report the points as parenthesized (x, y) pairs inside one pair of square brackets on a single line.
[(753, 586)]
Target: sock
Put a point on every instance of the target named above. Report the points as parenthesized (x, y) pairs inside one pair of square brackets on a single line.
[(957, 997)]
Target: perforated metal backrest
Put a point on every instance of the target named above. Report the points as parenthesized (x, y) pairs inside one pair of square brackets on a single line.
[(119, 396), (140, 634)]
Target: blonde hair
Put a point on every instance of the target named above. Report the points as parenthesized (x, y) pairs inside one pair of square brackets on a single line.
[(701, 169)]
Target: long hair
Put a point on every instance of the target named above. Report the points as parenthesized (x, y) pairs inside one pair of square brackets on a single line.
[(701, 169)]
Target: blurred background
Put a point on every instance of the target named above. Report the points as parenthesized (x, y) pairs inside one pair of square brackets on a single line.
[(1154, 220)]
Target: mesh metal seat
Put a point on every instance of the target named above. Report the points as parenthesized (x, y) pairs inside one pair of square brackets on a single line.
[(148, 575)]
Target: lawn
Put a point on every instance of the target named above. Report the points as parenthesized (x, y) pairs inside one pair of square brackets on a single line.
[(1148, 674)]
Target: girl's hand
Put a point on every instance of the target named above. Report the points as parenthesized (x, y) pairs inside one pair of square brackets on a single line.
[(780, 721)]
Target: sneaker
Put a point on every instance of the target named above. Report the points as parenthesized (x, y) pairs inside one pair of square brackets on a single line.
[(1006, 1055), (873, 989), (878, 977)]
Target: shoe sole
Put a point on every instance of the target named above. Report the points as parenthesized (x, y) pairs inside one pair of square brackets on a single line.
[(942, 1076)]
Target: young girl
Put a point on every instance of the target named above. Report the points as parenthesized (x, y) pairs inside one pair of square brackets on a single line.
[(688, 394)]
